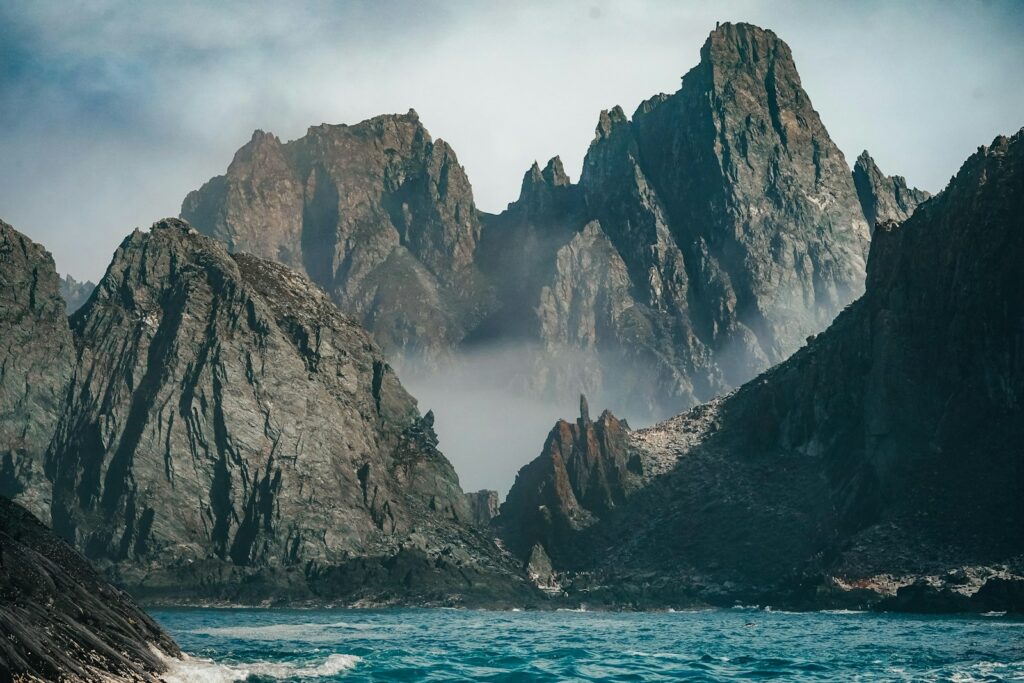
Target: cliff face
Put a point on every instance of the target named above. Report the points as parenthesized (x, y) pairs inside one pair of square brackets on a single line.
[(378, 214), (723, 218), (63, 622), (36, 361), (885, 451), (732, 223), (230, 435), (884, 198), (585, 470)]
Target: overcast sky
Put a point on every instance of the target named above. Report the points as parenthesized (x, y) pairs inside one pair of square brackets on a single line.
[(112, 110)]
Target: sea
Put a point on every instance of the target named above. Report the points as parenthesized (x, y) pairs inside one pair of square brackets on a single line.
[(710, 645)]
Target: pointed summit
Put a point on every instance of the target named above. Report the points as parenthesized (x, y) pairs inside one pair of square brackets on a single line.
[(884, 198)]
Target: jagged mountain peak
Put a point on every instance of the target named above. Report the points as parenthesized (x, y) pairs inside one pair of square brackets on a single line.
[(883, 198)]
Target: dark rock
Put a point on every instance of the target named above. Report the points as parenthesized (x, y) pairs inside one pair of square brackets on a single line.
[(36, 361), (584, 471), (1000, 595), (483, 506), (231, 436), (60, 621), (922, 597), (539, 569), (75, 293), (885, 451), (884, 198)]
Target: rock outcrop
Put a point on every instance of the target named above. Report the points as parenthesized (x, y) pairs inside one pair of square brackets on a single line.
[(883, 454), (36, 362), (62, 622), (723, 219), (229, 435), (884, 198), (75, 293), (708, 236), (483, 506), (378, 214), (585, 470)]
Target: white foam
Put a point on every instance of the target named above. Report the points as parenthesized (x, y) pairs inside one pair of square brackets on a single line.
[(199, 670)]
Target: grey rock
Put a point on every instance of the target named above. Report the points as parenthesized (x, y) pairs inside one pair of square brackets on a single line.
[(36, 361), (75, 293), (884, 452), (483, 506), (231, 436), (884, 198), (60, 620)]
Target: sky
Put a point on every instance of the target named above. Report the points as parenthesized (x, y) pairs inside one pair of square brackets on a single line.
[(111, 111)]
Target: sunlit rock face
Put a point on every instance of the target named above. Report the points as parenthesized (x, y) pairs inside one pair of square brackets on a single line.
[(230, 435), (708, 236)]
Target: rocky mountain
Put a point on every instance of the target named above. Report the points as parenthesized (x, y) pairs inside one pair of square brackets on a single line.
[(75, 293), (708, 236), (884, 198), (881, 461), (60, 620), (36, 362), (228, 435), (483, 506), (379, 214)]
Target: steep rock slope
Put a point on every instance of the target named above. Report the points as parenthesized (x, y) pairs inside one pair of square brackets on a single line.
[(884, 455), (884, 198), (584, 471), (36, 361), (230, 435), (731, 215), (75, 293), (60, 620), (378, 214)]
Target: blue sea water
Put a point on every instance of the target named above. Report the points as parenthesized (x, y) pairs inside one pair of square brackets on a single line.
[(715, 645)]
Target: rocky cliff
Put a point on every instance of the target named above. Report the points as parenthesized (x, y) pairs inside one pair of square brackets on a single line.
[(708, 236), (585, 470), (36, 362), (724, 219), (378, 214), (882, 459), (229, 435), (60, 621), (75, 293), (884, 198)]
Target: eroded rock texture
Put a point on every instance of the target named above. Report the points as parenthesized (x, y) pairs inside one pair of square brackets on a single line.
[(36, 361), (378, 214), (62, 622), (708, 236), (884, 454), (230, 435), (884, 198), (585, 470), (723, 219)]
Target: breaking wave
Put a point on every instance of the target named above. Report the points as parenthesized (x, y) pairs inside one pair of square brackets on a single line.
[(199, 670)]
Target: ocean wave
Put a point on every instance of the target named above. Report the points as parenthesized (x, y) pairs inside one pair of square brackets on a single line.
[(199, 670), (308, 633)]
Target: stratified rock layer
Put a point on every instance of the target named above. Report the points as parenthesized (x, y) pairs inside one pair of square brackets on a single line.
[(884, 198), (36, 361), (62, 622), (884, 454), (229, 435)]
